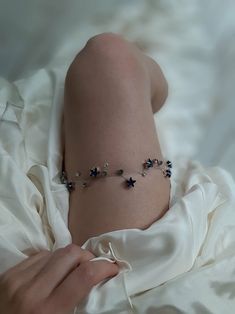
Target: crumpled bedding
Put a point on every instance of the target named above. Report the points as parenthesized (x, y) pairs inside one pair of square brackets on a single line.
[(183, 263)]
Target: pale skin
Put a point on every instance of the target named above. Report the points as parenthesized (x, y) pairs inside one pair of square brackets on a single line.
[(112, 90), (52, 282)]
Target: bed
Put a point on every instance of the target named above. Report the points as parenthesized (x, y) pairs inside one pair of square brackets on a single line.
[(183, 263)]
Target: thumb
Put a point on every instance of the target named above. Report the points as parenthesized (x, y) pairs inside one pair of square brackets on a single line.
[(103, 269)]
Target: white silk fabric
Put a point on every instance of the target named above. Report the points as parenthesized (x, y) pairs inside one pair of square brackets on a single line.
[(183, 263)]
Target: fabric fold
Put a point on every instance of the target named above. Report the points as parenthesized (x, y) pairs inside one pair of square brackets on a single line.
[(185, 256)]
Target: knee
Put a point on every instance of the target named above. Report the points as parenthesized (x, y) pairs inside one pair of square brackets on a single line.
[(107, 45), (107, 50)]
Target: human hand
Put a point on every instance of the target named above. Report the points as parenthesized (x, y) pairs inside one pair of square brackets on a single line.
[(52, 282)]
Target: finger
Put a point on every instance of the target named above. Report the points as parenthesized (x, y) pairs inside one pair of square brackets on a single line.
[(78, 284), (24, 272), (61, 263), (31, 271), (28, 261)]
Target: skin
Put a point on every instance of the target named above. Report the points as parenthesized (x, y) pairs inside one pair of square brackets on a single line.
[(45, 282), (112, 90)]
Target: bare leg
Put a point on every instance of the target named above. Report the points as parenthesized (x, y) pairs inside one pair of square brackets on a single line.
[(111, 92)]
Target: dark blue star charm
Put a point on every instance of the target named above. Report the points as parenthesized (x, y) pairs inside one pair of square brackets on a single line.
[(94, 172), (168, 173), (169, 164), (149, 163), (130, 182)]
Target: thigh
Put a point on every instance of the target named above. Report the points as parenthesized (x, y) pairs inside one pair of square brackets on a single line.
[(108, 118)]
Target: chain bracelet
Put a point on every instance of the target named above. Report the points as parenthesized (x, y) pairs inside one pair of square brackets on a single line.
[(97, 172)]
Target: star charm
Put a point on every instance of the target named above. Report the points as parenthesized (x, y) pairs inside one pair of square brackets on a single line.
[(168, 173), (94, 172), (169, 164), (130, 182), (148, 163)]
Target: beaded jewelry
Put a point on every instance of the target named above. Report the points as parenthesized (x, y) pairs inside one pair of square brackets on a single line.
[(96, 172)]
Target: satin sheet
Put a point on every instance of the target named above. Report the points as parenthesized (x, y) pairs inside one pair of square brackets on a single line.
[(183, 263)]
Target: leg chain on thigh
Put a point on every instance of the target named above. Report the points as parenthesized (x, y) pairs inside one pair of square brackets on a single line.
[(96, 172)]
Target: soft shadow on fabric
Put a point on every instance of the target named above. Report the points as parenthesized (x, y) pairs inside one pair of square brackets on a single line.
[(165, 310), (200, 309), (224, 288)]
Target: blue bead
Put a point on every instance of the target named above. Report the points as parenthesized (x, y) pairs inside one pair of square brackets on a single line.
[(119, 172), (94, 172), (70, 186)]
